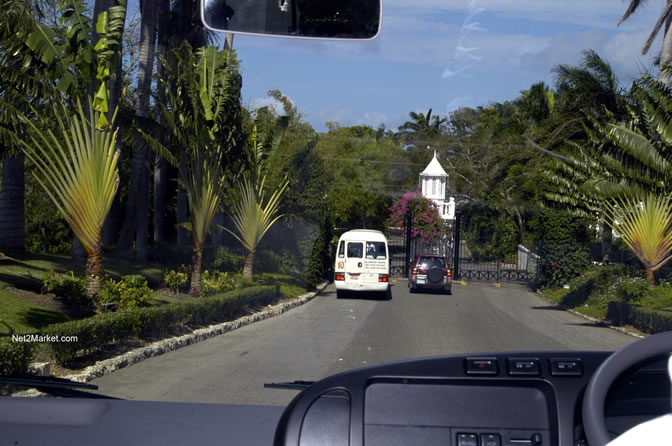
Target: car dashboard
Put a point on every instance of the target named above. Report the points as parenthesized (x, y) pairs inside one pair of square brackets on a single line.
[(502, 399)]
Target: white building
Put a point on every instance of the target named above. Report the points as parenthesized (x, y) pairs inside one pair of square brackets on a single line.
[(433, 182)]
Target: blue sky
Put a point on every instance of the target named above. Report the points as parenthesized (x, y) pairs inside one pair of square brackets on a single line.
[(443, 54)]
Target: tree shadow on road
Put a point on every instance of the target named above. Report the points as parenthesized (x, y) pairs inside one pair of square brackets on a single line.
[(548, 307)]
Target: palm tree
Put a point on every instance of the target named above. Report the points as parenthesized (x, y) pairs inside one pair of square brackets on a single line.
[(252, 214), (197, 118), (536, 104), (590, 89), (421, 126), (37, 68), (646, 227), (621, 160), (664, 19), (586, 94), (77, 168)]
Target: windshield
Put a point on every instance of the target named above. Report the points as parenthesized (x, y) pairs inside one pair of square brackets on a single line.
[(162, 182)]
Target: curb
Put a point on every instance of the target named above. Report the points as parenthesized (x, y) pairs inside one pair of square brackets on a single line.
[(158, 348), (592, 319)]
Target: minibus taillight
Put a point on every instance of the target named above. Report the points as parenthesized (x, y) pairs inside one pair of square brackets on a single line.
[(339, 276), (383, 278)]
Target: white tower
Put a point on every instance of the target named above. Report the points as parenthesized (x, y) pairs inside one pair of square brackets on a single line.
[(433, 182)]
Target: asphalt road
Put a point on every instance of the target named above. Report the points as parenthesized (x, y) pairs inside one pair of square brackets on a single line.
[(329, 335)]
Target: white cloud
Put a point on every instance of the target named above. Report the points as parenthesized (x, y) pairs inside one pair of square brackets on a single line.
[(373, 119), (346, 116), (594, 13), (257, 103)]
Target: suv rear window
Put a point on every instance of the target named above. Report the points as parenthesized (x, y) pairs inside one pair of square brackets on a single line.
[(428, 262)]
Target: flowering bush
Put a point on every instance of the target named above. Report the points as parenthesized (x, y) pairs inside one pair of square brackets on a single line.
[(630, 289), (427, 222), (178, 280), (131, 291), (215, 282)]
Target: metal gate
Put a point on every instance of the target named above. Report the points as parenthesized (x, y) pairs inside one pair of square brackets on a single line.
[(484, 254), (404, 248)]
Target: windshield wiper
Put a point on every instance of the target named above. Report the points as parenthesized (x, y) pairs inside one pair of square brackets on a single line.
[(294, 385), (52, 385)]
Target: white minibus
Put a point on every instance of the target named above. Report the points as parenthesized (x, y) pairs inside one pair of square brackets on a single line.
[(362, 262)]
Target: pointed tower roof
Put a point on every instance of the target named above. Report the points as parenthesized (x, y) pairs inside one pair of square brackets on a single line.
[(434, 168)]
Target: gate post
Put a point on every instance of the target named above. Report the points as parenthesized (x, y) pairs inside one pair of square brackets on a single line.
[(456, 246), (409, 228)]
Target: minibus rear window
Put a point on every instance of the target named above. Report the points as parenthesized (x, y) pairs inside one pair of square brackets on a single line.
[(375, 250), (355, 250)]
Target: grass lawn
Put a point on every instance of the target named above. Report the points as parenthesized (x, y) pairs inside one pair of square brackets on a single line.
[(595, 308), (25, 270), (290, 286), (19, 316)]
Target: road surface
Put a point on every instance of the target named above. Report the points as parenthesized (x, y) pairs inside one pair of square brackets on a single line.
[(329, 335)]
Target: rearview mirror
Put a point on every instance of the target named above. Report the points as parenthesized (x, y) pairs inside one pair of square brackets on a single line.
[(317, 19)]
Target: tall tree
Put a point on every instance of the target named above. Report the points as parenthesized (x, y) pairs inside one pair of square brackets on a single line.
[(199, 116), (77, 168), (136, 222), (161, 165), (665, 19), (421, 126), (42, 61), (588, 93)]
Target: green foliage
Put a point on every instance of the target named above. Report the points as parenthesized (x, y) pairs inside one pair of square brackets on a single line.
[(643, 319), (131, 291), (104, 329), (560, 226), (360, 172), (630, 289), (169, 254), (321, 261), (273, 261), (491, 233), (15, 357), (562, 261), (225, 260), (68, 287), (178, 280), (216, 282)]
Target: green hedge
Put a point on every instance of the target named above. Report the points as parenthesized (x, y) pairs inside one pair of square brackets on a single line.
[(643, 319), (15, 357), (103, 329)]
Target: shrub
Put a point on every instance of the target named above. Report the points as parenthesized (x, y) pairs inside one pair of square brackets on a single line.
[(225, 260), (71, 289), (130, 292), (15, 357), (643, 319), (561, 262), (215, 282), (580, 289), (660, 297), (103, 329), (178, 281), (630, 289)]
